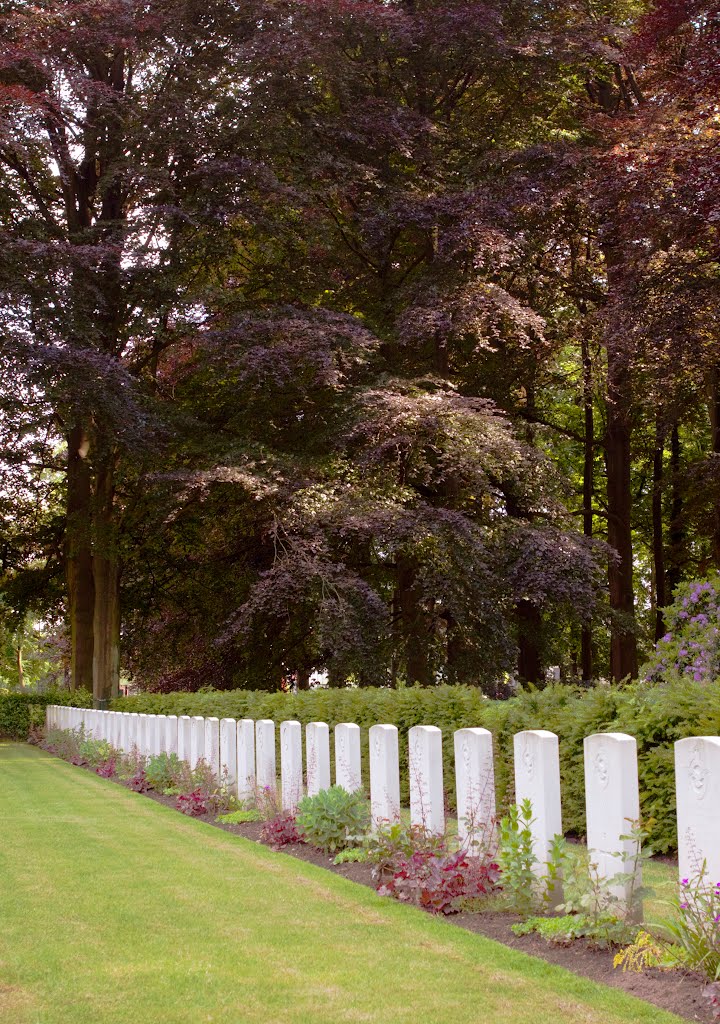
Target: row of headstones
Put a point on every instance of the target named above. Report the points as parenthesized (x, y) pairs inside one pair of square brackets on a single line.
[(244, 752)]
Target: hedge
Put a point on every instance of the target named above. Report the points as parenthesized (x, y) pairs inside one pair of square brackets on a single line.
[(18, 711), (656, 715)]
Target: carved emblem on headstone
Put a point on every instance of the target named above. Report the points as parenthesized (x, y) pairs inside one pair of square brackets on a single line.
[(602, 770)]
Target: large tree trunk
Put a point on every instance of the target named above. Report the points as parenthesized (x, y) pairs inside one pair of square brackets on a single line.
[(414, 625), (586, 651), (657, 532), (676, 533), (79, 561), (106, 660), (714, 408), (529, 624), (623, 646)]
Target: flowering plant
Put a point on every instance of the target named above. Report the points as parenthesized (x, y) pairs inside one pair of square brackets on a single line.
[(696, 928), (691, 647)]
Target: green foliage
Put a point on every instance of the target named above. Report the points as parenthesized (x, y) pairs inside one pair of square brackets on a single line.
[(64, 743), (240, 817), (523, 890), (20, 711), (516, 860), (562, 930), (162, 771), (95, 752), (333, 819), (607, 919), (388, 845), (656, 715), (354, 855)]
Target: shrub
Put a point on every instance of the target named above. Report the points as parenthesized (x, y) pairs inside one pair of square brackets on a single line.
[(281, 831), (333, 819), (657, 715), (691, 646), (441, 883), (20, 711), (64, 743), (162, 771)]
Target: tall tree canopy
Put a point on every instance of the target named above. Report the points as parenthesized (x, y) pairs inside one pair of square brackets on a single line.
[(377, 336)]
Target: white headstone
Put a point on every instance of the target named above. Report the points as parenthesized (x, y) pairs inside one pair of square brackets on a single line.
[(154, 723), (317, 757), (265, 753), (246, 759), (142, 734), (228, 752), (384, 775), (170, 737), (197, 740), (537, 779), (697, 784), (212, 745), (612, 804), (427, 797), (290, 765), (475, 787), (133, 732), (348, 771), (184, 730)]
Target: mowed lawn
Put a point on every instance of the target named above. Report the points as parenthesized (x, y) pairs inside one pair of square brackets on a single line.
[(116, 909)]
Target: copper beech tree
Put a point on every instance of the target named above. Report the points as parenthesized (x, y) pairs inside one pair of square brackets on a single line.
[(364, 324)]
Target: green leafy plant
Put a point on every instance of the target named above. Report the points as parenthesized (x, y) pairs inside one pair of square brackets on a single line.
[(95, 752), (523, 891), (609, 919), (333, 819), (389, 845), (352, 855), (240, 817), (561, 930), (129, 765), (162, 771), (516, 859)]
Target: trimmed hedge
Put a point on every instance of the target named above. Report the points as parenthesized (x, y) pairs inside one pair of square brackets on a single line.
[(656, 715), (18, 711)]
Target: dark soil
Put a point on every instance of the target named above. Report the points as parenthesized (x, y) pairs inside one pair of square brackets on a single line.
[(679, 992)]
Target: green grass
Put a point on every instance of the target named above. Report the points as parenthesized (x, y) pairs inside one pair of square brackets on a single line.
[(116, 909)]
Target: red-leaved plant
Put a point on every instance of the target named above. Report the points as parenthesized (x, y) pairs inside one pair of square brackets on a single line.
[(138, 783), (107, 769), (194, 804), (440, 882), (281, 831)]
